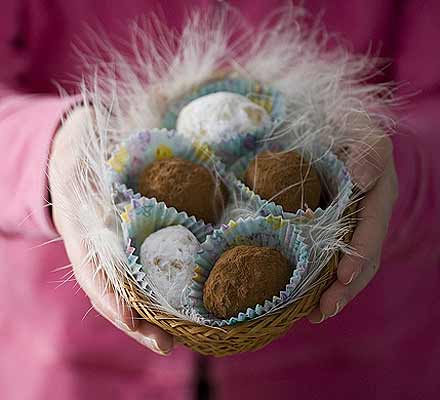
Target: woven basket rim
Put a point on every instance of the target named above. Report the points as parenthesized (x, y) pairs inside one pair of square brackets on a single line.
[(244, 336)]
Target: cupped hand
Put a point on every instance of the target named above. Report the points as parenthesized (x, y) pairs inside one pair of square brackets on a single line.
[(91, 279), (372, 168)]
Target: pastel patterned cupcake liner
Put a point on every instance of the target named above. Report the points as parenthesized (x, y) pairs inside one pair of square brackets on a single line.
[(248, 203), (267, 223), (141, 218), (143, 148), (333, 174), (231, 149), (268, 231), (123, 195)]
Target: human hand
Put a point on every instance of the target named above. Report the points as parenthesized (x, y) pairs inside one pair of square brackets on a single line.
[(92, 281), (372, 168)]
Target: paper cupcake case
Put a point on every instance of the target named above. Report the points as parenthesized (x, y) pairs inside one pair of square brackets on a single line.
[(141, 218), (123, 196), (143, 148), (332, 172), (248, 203), (229, 150), (268, 231), (269, 226)]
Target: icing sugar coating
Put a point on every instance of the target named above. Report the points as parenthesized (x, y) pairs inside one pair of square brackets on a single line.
[(220, 116), (167, 257)]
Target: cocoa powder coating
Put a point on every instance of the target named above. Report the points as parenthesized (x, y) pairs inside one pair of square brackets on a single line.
[(286, 178), (186, 186), (243, 277)]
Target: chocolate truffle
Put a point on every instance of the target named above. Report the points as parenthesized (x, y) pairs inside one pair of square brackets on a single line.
[(286, 178), (221, 116), (186, 186), (243, 277), (168, 260)]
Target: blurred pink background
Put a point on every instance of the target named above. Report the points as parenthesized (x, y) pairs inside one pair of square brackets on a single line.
[(385, 345)]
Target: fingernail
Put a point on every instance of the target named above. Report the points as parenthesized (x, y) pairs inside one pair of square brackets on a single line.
[(352, 277), (122, 325), (320, 320), (115, 311), (152, 345), (339, 306)]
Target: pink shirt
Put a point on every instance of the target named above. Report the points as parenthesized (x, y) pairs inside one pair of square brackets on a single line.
[(385, 345)]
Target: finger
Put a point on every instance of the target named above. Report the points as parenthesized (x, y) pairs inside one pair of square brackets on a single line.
[(146, 334), (356, 271), (368, 160), (316, 316), (97, 287), (125, 318), (368, 237), (105, 302), (338, 295), (332, 301), (92, 280), (153, 338), (95, 284)]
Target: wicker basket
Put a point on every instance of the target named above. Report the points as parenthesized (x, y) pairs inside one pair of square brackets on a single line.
[(246, 336)]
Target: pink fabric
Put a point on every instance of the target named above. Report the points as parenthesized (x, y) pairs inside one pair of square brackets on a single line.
[(385, 345)]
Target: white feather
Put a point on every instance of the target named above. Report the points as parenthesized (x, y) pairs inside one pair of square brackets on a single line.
[(328, 92)]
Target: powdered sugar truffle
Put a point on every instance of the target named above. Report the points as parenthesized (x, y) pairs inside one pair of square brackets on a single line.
[(168, 260), (220, 116)]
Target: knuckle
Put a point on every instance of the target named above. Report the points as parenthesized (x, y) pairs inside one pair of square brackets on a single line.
[(374, 266), (364, 262)]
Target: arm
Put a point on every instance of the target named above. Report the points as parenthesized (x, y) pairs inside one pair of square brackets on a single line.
[(415, 147), (27, 126), (418, 140), (31, 133)]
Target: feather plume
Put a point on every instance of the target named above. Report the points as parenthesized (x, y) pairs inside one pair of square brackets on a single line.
[(331, 105)]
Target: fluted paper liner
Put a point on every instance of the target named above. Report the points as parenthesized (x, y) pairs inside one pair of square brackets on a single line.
[(335, 181), (268, 231), (229, 150), (141, 218)]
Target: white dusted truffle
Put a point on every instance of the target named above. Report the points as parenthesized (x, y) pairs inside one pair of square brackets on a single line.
[(220, 116), (168, 260)]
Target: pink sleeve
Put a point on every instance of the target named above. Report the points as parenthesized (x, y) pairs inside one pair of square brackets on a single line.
[(27, 126), (417, 141)]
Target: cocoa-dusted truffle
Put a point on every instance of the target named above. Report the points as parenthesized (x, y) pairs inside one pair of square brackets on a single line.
[(186, 186), (243, 277), (287, 178)]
